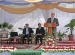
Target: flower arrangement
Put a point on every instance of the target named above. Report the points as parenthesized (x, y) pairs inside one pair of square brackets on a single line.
[(50, 41), (58, 49), (9, 49), (50, 46)]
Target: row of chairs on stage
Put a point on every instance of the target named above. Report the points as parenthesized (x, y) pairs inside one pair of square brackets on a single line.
[(14, 38)]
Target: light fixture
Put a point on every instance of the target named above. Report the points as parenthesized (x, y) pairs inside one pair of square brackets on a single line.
[(33, 0)]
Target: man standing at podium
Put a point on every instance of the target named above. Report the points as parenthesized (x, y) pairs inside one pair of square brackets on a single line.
[(53, 20)]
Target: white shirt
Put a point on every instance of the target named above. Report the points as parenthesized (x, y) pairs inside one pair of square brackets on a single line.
[(27, 32), (52, 20), (39, 27)]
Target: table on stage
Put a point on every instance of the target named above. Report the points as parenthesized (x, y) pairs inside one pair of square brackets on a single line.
[(26, 52)]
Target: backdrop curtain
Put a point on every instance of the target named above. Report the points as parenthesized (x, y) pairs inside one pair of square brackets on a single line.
[(40, 6), (28, 9), (69, 10), (18, 10), (47, 6), (46, 14), (37, 16)]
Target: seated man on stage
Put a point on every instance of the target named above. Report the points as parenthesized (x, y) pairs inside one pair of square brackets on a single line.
[(27, 31), (53, 20), (40, 32)]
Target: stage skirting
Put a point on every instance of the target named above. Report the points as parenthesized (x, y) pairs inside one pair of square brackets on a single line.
[(45, 53), (26, 52), (58, 53)]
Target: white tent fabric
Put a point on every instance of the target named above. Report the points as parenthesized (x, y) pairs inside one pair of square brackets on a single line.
[(37, 16), (42, 0)]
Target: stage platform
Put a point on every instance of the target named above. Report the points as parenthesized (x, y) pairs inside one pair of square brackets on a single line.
[(32, 46), (66, 43), (38, 47), (45, 53)]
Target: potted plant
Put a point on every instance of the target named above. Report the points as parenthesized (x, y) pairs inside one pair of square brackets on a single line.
[(60, 35), (4, 25), (20, 28), (10, 26), (71, 28)]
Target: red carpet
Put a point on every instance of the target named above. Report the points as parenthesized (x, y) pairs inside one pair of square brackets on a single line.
[(35, 47), (66, 43), (38, 46)]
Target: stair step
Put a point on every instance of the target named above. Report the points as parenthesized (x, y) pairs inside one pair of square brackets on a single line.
[(65, 44), (66, 41)]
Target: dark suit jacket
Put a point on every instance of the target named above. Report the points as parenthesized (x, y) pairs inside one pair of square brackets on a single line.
[(54, 21), (30, 31), (40, 31), (54, 29)]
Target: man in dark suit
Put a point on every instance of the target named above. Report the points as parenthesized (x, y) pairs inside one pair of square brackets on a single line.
[(40, 32), (53, 20), (27, 31)]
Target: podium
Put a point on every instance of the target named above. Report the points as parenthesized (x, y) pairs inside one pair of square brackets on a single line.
[(50, 26)]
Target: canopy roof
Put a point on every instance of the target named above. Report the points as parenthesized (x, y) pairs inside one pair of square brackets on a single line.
[(24, 2), (36, 16)]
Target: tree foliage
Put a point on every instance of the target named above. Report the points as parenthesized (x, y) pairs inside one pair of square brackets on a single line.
[(71, 26)]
